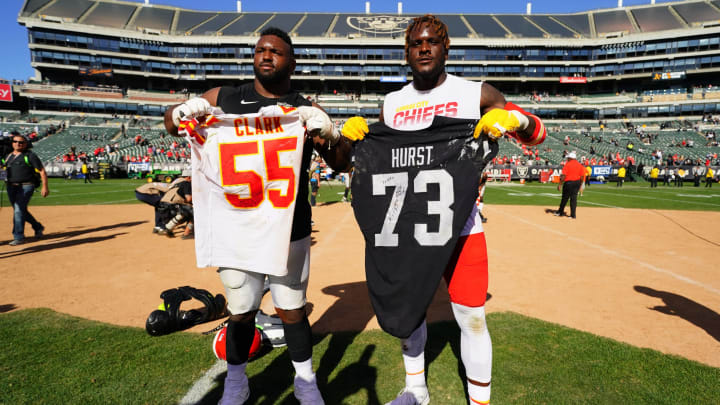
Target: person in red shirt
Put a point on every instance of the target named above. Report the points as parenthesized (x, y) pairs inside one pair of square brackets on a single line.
[(571, 179)]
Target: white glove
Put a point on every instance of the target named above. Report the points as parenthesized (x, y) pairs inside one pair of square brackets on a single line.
[(193, 108), (318, 123)]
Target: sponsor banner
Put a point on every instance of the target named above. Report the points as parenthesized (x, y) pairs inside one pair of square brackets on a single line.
[(139, 167), (192, 77), (528, 173), (6, 92), (668, 75), (522, 171), (686, 172), (65, 169), (604, 171), (568, 79), (95, 72), (393, 79)]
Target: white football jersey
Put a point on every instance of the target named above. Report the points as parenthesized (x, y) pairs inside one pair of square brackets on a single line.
[(245, 179), (409, 109)]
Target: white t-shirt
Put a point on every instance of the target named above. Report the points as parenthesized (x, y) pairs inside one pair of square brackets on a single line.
[(245, 179), (410, 109)]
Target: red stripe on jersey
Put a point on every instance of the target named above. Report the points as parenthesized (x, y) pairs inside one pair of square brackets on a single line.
[(538, 136), (188, 127), (210, 120)]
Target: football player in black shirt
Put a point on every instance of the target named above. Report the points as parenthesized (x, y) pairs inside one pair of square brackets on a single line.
[(273, 65)]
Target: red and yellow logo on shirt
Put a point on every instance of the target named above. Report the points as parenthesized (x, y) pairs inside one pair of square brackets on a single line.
[(423, 112)]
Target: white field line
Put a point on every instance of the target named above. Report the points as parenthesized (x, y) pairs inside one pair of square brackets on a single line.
[(204, 385), (583, 202), (113, 202), (656, 198), (57, 194), (591, 191), (615, 253)]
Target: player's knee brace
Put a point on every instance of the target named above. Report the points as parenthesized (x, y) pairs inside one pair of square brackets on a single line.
[(239, 339), (414, 345), (299, 340)]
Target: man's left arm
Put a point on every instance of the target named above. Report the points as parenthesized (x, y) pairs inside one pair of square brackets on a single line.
[(331, 145), (38, 166), (500, 117), (562, 181), (45, 190)]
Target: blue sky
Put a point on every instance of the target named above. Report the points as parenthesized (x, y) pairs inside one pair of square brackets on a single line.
[(17, 55)]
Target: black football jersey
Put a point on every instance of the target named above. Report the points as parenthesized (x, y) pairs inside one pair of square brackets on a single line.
[(412, 193)]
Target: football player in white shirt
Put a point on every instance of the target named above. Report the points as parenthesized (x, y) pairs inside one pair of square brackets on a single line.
[(435, 92)]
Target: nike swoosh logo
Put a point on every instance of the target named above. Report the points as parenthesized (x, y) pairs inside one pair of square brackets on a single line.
[(247, 102)]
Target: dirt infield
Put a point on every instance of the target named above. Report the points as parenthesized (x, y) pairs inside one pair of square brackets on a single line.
[(648, 278)]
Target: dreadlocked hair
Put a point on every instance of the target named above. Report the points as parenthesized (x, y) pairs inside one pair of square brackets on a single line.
[(417, 22)]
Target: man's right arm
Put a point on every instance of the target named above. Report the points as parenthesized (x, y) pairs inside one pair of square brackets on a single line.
[(211, 97)]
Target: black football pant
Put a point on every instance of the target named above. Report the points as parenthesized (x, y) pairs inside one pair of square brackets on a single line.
[(570, 191)]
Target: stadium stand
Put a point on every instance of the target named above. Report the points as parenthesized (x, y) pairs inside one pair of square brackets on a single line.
[(110, 68)]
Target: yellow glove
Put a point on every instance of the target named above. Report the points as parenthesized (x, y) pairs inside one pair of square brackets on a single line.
[(355, 129), (495, 123)]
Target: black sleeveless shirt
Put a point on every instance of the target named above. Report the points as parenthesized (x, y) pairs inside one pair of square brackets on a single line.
[(244, 99)]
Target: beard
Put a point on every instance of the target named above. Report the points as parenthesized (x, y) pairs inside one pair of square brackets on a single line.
[(274, 77)]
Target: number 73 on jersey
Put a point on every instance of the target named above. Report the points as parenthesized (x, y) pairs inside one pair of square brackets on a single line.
[(441, 207)]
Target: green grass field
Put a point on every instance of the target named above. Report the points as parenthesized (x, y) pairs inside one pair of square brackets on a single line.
[(631, 195), (52, 358)]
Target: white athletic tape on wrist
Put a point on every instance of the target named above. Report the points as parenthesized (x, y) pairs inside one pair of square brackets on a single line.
[(522, 119)]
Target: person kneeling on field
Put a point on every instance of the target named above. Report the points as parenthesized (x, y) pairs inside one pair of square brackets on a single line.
[(180, 197)]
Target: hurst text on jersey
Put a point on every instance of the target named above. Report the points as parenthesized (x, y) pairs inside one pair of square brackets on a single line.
[(411, 156)]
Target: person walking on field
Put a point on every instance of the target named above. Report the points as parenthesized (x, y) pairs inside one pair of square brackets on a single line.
[(570, 181), (654, 172), (667, 176), (709, 177), (588, 174), (621, 176), (274, 166), (437, 93), (679, 177), (86, 172), (23, 166)]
